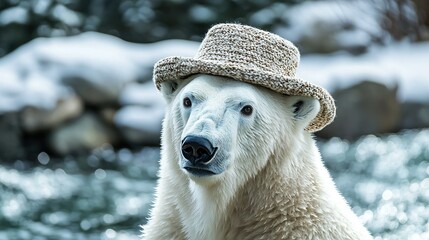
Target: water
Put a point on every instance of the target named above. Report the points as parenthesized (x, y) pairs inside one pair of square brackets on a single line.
[(386, 181), (107, 194), (103, 196)]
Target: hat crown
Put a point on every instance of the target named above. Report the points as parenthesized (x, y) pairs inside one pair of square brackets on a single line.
[(247, 54), (247, 46)]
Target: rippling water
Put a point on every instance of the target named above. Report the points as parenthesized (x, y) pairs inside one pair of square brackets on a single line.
[(386, 180), (103, 196), (107, 194)]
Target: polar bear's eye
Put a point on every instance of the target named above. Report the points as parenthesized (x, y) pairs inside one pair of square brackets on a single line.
[(247, 110), (187, 102)]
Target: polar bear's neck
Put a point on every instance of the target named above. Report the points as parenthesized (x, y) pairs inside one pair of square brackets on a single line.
[(218, 212), (287, 188), (209, 212)]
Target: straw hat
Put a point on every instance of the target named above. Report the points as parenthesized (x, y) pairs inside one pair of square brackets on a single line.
[(250, 55)]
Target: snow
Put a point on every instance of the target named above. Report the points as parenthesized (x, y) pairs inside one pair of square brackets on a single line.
[(142, 112), (141, 94), (66, 15), (41, 7), (36, 91), (34, 74), (13, 15), (140, 118), (46, 91), (401, 64), (302, 17)]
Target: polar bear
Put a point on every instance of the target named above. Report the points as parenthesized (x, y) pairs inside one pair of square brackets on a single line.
[(238, 163)]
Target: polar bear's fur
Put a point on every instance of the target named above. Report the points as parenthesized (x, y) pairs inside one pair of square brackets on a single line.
[(272, 185)]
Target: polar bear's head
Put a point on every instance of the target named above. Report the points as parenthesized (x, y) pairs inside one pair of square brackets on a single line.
[(224, 129)]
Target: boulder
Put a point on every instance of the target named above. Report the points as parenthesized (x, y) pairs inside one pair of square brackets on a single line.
[(95, 89), (414, 115), (36, 118), (11, 146), (140, 125), (81, 135), (329, 26), (365, 108), (139, 120)]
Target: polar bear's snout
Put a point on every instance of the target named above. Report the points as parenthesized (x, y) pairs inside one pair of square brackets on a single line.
[(197, 150), (199, 157)]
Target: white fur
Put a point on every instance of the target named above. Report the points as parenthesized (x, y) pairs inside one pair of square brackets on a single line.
[(274, 184)]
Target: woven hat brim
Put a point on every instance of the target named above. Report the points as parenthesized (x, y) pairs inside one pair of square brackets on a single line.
[(177, 68)]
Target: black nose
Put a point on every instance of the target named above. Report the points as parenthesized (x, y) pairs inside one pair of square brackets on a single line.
[(197, 149)]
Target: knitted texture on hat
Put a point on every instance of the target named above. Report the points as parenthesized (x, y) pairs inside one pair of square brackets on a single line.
[(250, 55)]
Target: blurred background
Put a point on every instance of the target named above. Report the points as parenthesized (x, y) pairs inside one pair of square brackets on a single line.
[(80, 118)]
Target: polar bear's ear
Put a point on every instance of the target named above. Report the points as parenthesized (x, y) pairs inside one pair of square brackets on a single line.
[(168, 89), (304, 109)]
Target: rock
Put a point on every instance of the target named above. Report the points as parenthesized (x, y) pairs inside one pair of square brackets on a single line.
[(19, 89), (139, 121), (81, 135), (93, 89), (36, 119), (332, 35), (329, 26), (365, 108), (96, 66), (11, 146), (414, 115), (108, 115)]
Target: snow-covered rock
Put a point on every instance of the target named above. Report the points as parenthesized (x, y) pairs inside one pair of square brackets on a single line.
[(48, 81), (404, 65), (400, 67), (140, 125), (140, 120), (95, 65), (144, 94), (19, 88), (111, 78), (329, 26)]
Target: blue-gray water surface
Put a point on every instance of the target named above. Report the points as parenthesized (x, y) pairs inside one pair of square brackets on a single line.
[(107, 194)]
